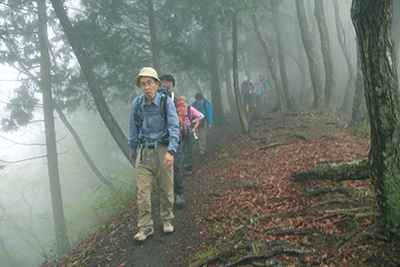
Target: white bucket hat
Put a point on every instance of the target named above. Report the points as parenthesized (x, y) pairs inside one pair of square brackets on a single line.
[(146, 72)]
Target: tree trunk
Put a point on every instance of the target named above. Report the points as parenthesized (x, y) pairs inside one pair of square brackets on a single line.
[(358, 170), (330, 82), (318, 104), (94, 87), (342, 41), (227, 64), (373, 23), (243, 120), (359, 106), (282, 63), (306, 91), (52, 163), (217, 107), (282, 103), (153, 37)]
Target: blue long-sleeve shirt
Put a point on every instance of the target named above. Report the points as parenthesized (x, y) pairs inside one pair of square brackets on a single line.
[(202, 108), (153, 126)]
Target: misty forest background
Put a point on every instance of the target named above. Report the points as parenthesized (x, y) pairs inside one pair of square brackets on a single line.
[(86, 171)]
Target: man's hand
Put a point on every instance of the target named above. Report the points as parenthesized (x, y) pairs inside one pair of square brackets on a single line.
[(209, 126), (168, 160), (133, 157)]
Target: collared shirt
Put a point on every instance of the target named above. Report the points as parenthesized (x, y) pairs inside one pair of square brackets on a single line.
[(153, 126)]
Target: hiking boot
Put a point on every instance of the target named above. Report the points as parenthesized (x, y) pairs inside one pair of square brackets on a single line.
[(202, 152), (168, 227), (180, 199), (143, 234)]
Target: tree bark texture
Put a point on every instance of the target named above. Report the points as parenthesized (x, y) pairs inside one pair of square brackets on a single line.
[(218, 114), (359, 108), (282, 60), (282, 103), (153, 37), (52, 161), (94, 87), (330, 82), (318, 104), (372, 20), (243, 120)]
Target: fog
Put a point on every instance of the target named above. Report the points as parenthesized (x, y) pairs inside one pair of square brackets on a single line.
[(27, 235)]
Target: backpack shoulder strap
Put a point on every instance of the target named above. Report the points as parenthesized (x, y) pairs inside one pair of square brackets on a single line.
[(189, 112), (205, 108), (164, 107)]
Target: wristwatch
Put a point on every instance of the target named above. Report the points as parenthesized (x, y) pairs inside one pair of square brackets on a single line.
[(171, 152)]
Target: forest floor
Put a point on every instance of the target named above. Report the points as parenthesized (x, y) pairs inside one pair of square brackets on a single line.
[(244, 208)]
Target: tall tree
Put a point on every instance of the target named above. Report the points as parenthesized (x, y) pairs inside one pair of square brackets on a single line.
[(282, 60), (228, 68), (94, 86), (153, 37), (52, 159), (217, 107), (319, 104), (330, 82), (343, 45), (243, 120), (372, 20), (282, 103)]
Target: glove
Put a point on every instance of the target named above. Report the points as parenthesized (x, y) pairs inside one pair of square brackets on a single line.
[(195, 136)]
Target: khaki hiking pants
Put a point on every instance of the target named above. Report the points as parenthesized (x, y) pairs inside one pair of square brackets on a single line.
[(165, 181)]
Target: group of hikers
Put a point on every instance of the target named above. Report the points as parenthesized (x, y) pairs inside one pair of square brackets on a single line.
[(162, 131), (253, 95)]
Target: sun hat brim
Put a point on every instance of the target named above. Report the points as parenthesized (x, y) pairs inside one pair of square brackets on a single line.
[(146, 72)]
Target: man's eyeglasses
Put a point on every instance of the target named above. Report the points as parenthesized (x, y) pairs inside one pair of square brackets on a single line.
[(148, 83)]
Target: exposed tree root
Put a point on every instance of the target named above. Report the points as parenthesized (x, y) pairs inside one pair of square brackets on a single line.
[(336, 246), (327, 201), (314, 212), (327, 190), (292, 232), (270, 253), (244, 246), (329, 161), (358, 170), (268, 146), (355, 238)]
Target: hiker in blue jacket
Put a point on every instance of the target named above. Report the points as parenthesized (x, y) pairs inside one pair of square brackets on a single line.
[(204, 107), (153, 140)]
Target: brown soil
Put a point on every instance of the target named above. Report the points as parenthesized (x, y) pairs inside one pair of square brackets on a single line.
[(243, 208)]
